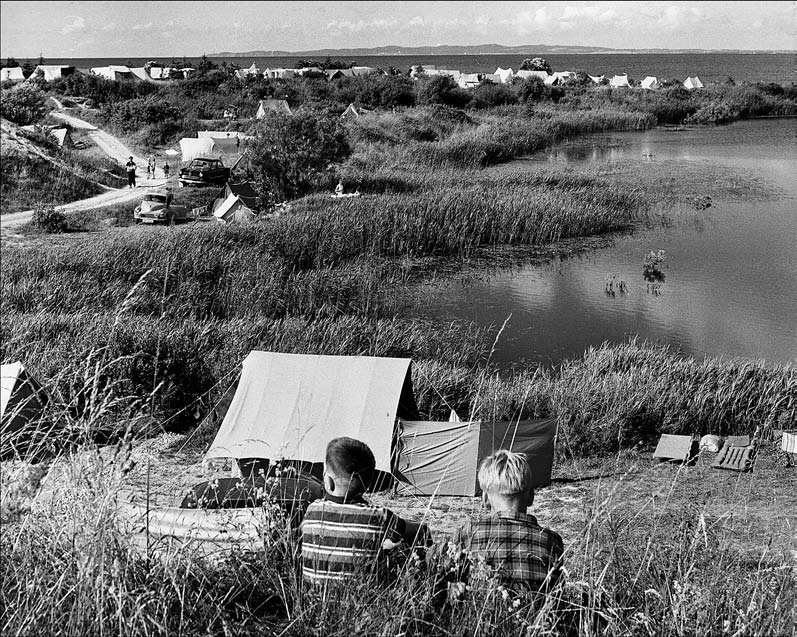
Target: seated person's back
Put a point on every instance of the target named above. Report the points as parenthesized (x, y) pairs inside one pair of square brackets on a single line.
[(343, 536), (520, 553)]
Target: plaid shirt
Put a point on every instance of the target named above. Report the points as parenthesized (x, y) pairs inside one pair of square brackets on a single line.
[(514, 547)]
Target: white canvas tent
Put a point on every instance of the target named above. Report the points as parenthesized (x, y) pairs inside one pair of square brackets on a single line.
[(364, 70), (442, 458), (238, 204), (597, 79), (115, 73), (468, 80), (526, 74), (291, 405), (12, 74), (650, 83), (141, 73), (693, 82), (22, 399), (505, 75), (619, 81), (350, 113), (193, 147), (272, 106), (52, 72)]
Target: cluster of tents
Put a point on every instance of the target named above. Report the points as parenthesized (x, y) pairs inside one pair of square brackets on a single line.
[(114, 72), (507, 76), (306, 71)]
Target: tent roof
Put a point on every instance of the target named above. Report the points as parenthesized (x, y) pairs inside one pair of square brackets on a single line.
[(245, 192), (9, 373), (278, 106), (196, 148), (61, 135), (291, 405), (225, 206), (11, 73), (619, 80)]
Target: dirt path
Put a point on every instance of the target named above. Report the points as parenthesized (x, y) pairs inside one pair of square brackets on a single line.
[(116, 150)]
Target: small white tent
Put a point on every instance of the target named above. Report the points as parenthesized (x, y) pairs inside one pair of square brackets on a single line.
[(11, 74), (115, 73), (526, 75), (692, 83), (468, 80), (22, 400), (52, 72), (364, 70), (272, 106), (506, 75), (597, 79), (350, 113), (193, 147), (619, 81), (238, 204), (650, 83)]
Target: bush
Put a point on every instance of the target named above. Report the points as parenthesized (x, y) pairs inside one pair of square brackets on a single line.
[(48, 219), (442, 89), (291, 152), (23, 104)]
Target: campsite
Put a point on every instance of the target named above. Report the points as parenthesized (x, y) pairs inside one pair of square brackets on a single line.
[(426, 255)]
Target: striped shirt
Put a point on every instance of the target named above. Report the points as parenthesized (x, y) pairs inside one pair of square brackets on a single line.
[(343, 538), (514, 548)]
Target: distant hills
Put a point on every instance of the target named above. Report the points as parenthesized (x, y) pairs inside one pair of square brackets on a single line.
[(477, 49)]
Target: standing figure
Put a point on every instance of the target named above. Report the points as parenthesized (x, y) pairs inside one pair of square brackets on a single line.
[(130, 166), (166, 169), (151, 167)]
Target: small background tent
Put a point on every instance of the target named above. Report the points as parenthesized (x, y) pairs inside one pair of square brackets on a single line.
[(22, 400), (650, 83), (11, 74), (291, 405), (351, 112), (505, 75), (526, 74), (443, 458), (52, 72), (239, 203), (193, 147), (619, 81), (693, 82), (115, 73), (468, 80), (273, 106), (596, 79)]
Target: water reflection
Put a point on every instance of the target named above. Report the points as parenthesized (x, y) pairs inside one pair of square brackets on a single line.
[(730, 271)]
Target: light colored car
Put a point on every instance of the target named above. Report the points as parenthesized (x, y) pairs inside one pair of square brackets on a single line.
[(158, 206)]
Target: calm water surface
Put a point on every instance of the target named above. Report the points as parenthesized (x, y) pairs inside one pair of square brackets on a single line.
[(730, 285)]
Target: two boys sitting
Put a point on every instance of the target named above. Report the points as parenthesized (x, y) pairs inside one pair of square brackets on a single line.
[(342, 535)]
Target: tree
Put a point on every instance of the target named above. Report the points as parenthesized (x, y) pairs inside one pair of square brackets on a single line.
[(442, 89), (24, 104), (28, 67), (291, 152), (205, 65), (536, 64), (11, 63)]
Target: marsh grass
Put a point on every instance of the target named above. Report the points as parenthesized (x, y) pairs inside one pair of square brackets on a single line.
[(72, 564)]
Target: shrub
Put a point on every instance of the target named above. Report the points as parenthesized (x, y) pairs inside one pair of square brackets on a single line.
[(290, 152), (441, 89), (536, 64), (48, 219), (23, 104)]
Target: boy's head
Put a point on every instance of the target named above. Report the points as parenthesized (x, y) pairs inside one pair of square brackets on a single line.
[(505, 479), (349, 466)]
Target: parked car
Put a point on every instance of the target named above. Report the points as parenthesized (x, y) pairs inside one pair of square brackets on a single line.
[(158, 205), (204, 171)]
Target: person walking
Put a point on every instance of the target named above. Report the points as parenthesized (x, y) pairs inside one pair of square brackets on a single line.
[(130, 166), (151, 167), (166, 169)]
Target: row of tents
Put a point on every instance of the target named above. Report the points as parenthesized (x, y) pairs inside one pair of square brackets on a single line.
[(289, 406), (507, 76), (116, 73), (464, 80)]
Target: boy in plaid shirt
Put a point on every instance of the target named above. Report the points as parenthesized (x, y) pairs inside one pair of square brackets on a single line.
[(517, 552)]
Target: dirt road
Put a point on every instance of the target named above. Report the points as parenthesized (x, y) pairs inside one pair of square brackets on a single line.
[(116, 150)]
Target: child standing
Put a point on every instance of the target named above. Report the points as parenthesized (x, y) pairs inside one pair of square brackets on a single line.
[(342, 535), (130, 167)]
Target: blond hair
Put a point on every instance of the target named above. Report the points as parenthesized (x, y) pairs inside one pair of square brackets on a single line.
[(505, 473)]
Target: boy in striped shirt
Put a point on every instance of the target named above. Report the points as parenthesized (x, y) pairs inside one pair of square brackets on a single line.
[(342, 536)]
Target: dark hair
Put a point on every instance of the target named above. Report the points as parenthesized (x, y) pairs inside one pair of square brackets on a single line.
[(350, 458)]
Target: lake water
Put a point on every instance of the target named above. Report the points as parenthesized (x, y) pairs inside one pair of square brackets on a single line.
[(730, 286), (711, 67)]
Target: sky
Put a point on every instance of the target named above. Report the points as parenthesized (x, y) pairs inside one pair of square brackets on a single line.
[(144, 29)]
